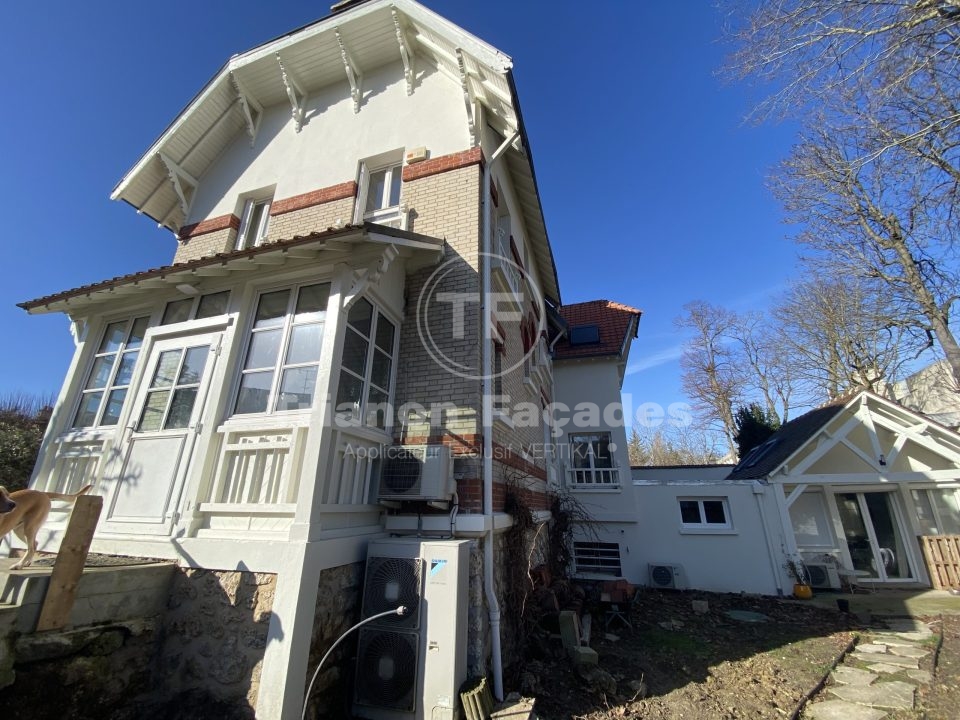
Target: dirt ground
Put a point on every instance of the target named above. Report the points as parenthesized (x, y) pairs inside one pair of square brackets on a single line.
[(676, 663)]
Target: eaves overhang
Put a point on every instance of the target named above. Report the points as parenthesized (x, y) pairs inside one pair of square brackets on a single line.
[(333, 245)]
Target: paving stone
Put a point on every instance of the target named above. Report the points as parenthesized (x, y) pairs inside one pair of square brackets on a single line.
[(900, 625), (918, 636), (921, 676), (840, 710), (884, 668), (910, 652), (894, 695), (852, 676), (872, 648), (891, 639), (903, 662)]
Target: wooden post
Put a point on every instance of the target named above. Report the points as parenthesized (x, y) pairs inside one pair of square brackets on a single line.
[(68, 567)]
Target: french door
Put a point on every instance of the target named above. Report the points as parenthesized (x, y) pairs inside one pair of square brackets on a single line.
[(873, 530)]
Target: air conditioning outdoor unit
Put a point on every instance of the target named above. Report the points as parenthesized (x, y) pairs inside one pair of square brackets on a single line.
[(823, 576), (664, 575), (412, 667), (417, 472)]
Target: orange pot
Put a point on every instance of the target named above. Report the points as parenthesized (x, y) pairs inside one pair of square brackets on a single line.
[(803, 592)]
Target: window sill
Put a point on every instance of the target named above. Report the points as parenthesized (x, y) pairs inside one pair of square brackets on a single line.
[(595, 488), (708, 531)]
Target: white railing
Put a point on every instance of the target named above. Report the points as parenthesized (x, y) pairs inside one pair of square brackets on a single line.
[(258, 467), (77, 463), (607, 478), (351, 474)]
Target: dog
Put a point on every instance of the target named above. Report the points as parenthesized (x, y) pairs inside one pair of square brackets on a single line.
[(24, 512)]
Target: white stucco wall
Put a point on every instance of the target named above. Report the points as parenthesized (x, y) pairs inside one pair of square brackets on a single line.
[(334, 139)]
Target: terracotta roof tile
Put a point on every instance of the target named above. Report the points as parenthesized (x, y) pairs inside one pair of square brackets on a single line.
[(614, 320)]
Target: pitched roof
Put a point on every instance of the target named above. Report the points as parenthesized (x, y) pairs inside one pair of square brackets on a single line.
[(616, 324), (764, 459)]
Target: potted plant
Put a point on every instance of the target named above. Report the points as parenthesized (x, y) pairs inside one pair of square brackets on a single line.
[(801, 578)]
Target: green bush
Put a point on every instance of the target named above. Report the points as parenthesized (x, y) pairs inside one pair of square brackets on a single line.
[(22, 423)]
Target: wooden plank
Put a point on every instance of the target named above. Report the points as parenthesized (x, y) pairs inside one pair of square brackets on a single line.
[(68, 567), (942, 556)]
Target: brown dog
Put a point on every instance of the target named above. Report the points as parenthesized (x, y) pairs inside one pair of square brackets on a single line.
[(24, 512)]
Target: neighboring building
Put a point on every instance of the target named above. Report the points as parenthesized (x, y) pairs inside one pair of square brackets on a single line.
[(332, 193), (850, 488), (933, 392), (589, 367)]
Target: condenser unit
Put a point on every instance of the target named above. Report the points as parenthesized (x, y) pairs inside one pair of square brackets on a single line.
[(664, 575), (411, 667), (416, 472), (823, 576)]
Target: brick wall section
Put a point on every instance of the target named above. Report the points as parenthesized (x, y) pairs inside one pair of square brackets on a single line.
[(443, 164), (317, 197), (206, 244), (313, 218)]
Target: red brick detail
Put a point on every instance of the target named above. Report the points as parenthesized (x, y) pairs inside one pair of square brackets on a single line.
[(458, 444), (210, 225), (509, 458), (444, 163), (315, 197), (470, 494)]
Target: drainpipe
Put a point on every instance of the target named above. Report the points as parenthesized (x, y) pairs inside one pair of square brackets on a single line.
[(485, 384), (759, 489)]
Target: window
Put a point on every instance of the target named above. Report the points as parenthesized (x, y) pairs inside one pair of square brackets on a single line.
[(254, 223), (173, 389), (280, 369), (109, 379), (704, 512), (496, 384), (591, 461), (366, 368), (205, 306), (380, 194), (597, 557)]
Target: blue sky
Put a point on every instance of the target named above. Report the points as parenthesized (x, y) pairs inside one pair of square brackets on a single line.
[(653, 188)]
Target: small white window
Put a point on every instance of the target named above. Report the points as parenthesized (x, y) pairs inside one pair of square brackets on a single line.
[(379, 197), (591, 461), (254, 223), (600, 558), (712, 513), (197, 308)]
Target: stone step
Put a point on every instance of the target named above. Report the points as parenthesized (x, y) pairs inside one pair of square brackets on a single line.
[(893, 695), (842, 710)]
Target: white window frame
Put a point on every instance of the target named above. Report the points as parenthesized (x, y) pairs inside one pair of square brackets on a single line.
[(194, 307), (385, 214), (703, 523), (248, 236), (592, 476), (592, 557)]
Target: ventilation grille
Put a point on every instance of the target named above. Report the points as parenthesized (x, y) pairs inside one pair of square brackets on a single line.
[(387, 669), (402, 470), (663, 575), (391, 582)]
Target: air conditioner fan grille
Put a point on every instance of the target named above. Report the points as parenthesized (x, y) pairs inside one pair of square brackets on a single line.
[(391, 582), (387, 669)]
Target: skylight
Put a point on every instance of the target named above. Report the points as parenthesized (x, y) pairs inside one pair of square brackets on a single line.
[(585, 335)]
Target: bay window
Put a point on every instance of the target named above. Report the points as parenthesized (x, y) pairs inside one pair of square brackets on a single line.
[(366, 368)]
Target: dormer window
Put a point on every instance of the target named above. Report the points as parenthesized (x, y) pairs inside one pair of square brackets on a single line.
[(254, 223), (379, 197)]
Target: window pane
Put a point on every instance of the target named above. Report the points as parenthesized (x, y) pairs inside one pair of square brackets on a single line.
[(111, 415), (136, 334), (377, 408), (361, 315), (375, 186), (948, 509), (385, 334), (690, 512), (601, 452), (181, 408), (166, 369), (254, 392), (304, 344), (713, 511), (193, 365), (580, 451), (296, 388), (312, 303), (153, 409), (100, 375), (113, 337), (380, 372), (272, 309), (349, 392), (354, 352), (125, 373), (87, 412), (177, 311), (213, 305), (264, 347), (395, 186)]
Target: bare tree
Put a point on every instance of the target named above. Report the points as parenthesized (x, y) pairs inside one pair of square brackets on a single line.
[(770, 375), (711, 374), (674, 446)]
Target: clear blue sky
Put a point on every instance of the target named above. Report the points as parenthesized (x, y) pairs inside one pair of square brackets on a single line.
[(653, 189)]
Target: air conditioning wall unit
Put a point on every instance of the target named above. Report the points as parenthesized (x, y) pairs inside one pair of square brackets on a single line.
[(823, 576), (665, 575), (416, 472), (412, 667)]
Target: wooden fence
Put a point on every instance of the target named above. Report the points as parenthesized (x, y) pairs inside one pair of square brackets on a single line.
[(942, 556)]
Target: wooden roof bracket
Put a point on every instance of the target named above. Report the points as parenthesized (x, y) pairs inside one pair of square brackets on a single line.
[(406, 52), (252, 110), (354, 76), (467, 99), (298, 98), (184, 184)]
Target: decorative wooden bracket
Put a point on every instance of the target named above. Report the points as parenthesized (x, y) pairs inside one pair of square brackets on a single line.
[(252, 110), (370, 275), (354, 76), (184, 184), (467, 98), (295, 93), (406, 53)]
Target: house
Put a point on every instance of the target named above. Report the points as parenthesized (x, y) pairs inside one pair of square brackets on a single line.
[(931, 391), (851, 488), (360, 262)]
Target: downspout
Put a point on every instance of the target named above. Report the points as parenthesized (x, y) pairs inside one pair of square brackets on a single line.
[(485, 381), (759, 489)]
